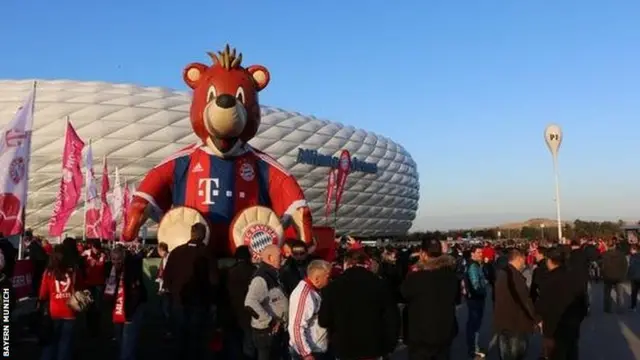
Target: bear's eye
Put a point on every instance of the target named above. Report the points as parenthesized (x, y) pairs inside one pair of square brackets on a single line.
[(211, 94), (240, 95)]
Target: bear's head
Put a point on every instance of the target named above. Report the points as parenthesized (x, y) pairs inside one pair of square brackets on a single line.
[(225, 111)]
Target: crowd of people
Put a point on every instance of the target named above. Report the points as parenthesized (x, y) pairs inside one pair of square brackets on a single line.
[(292, 304)]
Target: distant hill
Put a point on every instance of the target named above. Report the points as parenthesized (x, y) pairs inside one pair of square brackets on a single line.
[(536, 222)]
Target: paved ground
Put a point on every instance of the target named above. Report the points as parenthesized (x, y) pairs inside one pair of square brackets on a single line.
[(604, 337)]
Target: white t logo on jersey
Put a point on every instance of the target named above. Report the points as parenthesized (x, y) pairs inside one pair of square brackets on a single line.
[(209, 189)]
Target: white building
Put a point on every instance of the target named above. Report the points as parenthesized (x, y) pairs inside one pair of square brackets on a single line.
[(137, 127)]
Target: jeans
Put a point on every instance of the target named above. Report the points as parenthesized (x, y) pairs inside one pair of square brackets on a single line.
[(268, 345), (191, 325), (513, 346), (93, 313), (165, 310), (61, 346), (127, 335), (608, 286), (433, 352), (475, 308), (635, 290)]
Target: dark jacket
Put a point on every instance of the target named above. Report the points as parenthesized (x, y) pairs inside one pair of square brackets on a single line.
[(360, 315), (614, 266), (513, 310), (10, 256), (591, 252), (190, 275), (634, 267), (560, 304), (432, 314), (391, 273), (135, 293), (579, 264), (238, 279), (537, 278), (291, 273)]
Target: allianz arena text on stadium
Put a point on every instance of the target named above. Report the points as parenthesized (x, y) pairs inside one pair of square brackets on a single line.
[(137, 127)]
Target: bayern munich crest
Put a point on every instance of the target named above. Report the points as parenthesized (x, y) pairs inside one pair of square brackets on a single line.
[(256, 227), (246, 172), (17, 170), (259, 236)]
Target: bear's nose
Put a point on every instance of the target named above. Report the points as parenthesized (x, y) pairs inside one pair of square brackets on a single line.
[(226, 101)]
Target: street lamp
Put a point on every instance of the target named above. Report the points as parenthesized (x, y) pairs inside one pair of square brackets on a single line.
[(553, 138), (541, 232)]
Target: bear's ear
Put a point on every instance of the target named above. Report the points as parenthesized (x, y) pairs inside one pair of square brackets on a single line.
[(193, 73), (260, 75)]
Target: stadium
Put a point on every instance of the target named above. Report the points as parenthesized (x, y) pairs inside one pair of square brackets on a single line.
[(137, 127)]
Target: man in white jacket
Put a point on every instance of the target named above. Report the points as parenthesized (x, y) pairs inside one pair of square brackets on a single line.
[(307, 340)]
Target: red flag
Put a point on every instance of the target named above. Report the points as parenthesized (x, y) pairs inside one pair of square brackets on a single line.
[(107, 228), (344, 167), (71, 183), (331, 189)]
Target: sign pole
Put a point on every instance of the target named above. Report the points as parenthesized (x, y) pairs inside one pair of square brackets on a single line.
[(553, 138)]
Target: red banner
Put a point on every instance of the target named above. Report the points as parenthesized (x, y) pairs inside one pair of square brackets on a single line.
[(325, 242), (22, 279), (344, 167), (331, 189)]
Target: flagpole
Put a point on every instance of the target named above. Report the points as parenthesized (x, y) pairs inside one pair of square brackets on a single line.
[(87, 175), (23, 215)]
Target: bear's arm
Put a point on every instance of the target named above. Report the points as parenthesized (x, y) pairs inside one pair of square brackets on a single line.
[(156, 187), (287, 198)]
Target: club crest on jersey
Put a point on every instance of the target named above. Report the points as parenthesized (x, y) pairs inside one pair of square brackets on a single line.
[(259, 236), (246, 172)]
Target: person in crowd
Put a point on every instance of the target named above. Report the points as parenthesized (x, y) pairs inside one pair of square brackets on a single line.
[(614, 272), (38, 258), (390, 272), (476, 286), (514, 316), (359, 312), (307, 339), (165, 298), (238, 279), (95, 260), (124, 297), (60, 280), (294, 268), (579, 264), (431, 316), (489, 270), (48, 248), (191, 276), (560, 308), (539, 273), (10, 256), (73, 256), (268, 306), (634, 275)]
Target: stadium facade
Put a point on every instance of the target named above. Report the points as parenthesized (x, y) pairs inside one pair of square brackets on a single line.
[(136, 127)]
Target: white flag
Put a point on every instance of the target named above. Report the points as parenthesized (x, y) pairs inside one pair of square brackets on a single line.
[(92, 201), (15, 154), (117, 198)]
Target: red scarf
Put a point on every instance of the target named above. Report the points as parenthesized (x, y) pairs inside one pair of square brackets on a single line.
[(118, 310)]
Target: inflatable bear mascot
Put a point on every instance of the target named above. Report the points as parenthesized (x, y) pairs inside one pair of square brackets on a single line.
[(222, 175)]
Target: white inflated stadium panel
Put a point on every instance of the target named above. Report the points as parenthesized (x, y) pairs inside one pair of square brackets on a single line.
[(137, 127)]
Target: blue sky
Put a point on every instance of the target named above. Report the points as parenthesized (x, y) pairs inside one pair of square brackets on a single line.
[(466, 86)]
